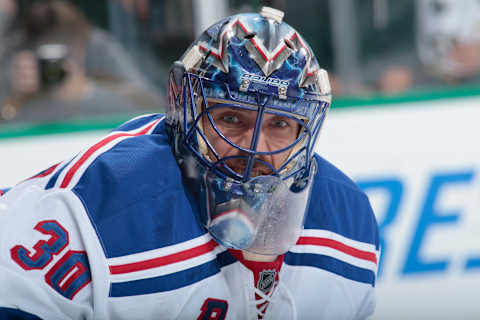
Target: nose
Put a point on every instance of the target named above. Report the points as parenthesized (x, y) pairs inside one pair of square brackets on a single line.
[(262, 143), (247, 141)]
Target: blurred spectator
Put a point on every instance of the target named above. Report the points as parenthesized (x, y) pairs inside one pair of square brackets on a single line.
[(395, 79), (153, 32), (48, 76), (8, 10), (449, 38), (447, 50), (8, 40)]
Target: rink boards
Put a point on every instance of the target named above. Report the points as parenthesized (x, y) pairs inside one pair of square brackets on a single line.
[(418, 162)]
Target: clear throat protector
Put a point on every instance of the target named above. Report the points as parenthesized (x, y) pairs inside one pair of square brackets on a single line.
[(264, 215)]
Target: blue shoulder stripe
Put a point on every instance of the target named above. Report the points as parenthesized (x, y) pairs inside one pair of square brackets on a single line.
[(332, 265), (225, 258), (51, 182), (164, 283), (16, 314), (172, 281)]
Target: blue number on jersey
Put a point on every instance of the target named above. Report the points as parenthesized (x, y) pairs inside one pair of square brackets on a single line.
[(73, 264), (43, 250), (214, 309)]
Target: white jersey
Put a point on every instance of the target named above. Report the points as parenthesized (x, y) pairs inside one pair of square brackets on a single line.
[(110, 234)]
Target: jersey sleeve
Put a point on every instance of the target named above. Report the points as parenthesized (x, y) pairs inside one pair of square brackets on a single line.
[(45, 240), (367, 307)]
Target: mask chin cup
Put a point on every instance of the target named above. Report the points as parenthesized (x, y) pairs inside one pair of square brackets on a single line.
[(263, 215), (231, 224)]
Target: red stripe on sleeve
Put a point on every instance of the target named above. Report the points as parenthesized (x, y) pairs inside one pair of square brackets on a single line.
[(98, 145), (330, 243), (162, 261), (45, 173)]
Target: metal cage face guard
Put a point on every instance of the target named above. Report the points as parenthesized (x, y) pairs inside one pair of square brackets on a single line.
[(196, 105), (248, 63)]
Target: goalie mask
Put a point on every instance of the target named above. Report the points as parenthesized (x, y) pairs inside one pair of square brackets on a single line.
[(249, 75)]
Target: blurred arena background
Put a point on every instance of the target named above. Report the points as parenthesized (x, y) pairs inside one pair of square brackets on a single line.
[(404, 119)]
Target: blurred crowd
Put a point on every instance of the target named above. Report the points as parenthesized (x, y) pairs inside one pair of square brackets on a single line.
[(440, 50), (56, 65), (65, 59)]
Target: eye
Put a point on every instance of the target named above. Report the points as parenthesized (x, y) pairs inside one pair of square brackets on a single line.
[(230, 118), (279, 123)]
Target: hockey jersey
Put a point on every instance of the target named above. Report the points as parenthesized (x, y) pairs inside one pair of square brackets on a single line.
[(110, 234)]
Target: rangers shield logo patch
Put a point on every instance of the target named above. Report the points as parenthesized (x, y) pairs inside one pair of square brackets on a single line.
[(266, 280)]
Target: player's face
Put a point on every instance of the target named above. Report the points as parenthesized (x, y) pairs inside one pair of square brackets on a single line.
[(238, 125)]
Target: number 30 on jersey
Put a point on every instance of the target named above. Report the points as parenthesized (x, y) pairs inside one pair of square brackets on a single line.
[(69, 274)]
